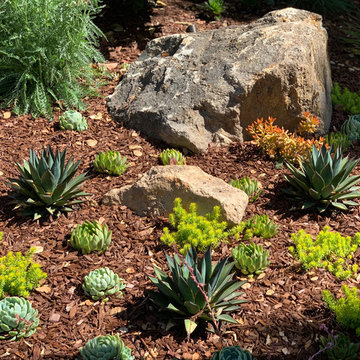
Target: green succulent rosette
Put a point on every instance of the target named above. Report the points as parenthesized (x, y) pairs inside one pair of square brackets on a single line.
[(89, 237), (72, 120), (172, 157), (101, 283), (108, 347), (232, 353), (18, 319), (110, 162)]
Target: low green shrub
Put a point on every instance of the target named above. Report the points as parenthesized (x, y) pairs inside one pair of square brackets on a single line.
[(101, 283), (181, 295), (336, 139), (350, 101), (250, 259), (46, 49), (89, 237), (19, 274), (347, 308), (251, 187), (106, 347), (18, 319), (172, 157), (72, 120), (110, 162), (232, 353), (329, 250)]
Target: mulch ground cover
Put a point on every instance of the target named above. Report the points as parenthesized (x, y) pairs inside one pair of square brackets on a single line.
[(284, 308)]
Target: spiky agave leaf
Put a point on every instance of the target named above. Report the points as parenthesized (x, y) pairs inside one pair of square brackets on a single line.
[(46, 185), (323, 180), (181, 298)]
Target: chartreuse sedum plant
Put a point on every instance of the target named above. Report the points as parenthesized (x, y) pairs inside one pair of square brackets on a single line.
[(72, 120), (110, 162), (101, 283), (350, 101), (49, 61), (250, 259), (89, 237), (347, 308), (351, 128), (338, 139), (232, 353), (196, 290), (18, 319), (108, 347), (323, 180), (196, 230), (329, 250), (251, 187), (19, 274), (261, 226), (46, 185), (172, 157)]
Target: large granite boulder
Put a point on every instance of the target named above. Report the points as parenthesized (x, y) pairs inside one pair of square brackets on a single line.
[(154, 193), (192, 89)]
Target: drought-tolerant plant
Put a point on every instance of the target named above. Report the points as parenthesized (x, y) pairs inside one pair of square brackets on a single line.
[(46, 185), (261, 226), (110, 162), (251, 187), (339, 347), (329, 250), (108, 347), (232, 353), (350, 101), (19, 274), (351, 127), (89, 237), (215, 7), (172, 157), (47, 61), (347, 308), (72, 120), (323, 180), (18, 319), (196, 289), (336, 139), (280, 144), (250, 259), (196, 230), (101, 283)]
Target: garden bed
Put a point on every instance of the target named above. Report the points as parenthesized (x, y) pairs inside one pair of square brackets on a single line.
[(284, 307)]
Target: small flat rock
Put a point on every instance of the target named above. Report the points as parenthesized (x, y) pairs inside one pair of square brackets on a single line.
[(54, 318), (154, 193), (91, 142)]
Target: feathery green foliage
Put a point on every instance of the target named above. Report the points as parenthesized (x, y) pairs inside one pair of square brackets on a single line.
[(323, 180), (47, 185), (46, 47), (89, 237), (347, 308), (110, 162), (350, 101), (329, 250), (251, 187), (18, 319), (196, 289), (19, 274), (108, 347)]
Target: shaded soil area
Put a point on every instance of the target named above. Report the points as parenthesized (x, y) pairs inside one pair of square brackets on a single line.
[(284, 309)]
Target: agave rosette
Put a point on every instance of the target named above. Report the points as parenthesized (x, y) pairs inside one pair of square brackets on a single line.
[(108, 347), (180, 298), (47, 185), (17, 318), (324, 180)]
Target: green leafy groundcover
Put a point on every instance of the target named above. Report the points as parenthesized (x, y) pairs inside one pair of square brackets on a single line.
[(46, 47)]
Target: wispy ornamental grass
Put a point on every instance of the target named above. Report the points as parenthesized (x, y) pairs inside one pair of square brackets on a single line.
[(46, 47)]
